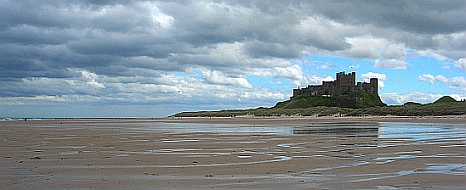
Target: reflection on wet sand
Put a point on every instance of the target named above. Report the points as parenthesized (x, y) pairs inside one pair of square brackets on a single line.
[(75, 155), (337, 130)]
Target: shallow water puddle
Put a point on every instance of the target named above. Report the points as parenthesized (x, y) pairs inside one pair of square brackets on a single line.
[(453, 169), (179, 140), (68, 153), (284, 158), (244, 156)]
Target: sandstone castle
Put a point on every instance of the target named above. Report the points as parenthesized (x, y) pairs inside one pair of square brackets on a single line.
[(345, 83)]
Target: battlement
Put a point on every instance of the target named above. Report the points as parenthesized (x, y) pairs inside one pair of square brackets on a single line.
[(345, 83)]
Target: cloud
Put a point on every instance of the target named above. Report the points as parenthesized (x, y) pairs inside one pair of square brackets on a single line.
[(294, 71), (417, 17), (391, 64), (387, 54), (321, 64), (127, 52), (109, 33), (263, 94), (461, 64), (458, 83), (217, 77), (365, 47), (394, 98), (276, 82), (311, 80), (158, 17), (258, 49), (427, 77)]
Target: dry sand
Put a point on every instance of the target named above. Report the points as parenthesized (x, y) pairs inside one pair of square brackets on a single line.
[(121, 154)]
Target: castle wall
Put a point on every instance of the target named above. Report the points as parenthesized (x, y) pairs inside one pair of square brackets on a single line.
[(345, 83)]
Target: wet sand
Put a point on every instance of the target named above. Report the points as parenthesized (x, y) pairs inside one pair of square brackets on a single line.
[(135, 154), (296, 120)]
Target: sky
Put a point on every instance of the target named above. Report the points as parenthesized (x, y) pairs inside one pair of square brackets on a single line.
[(115, 58)]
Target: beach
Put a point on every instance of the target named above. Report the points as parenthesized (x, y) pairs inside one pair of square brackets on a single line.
[(297, 120), (234, 153)]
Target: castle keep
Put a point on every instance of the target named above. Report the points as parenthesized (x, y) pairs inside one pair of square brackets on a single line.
[(345, 83)]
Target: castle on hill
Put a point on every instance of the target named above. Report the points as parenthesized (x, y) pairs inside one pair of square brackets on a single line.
[(345, 83)]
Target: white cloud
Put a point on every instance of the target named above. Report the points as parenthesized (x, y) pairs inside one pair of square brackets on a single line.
[(87, 78), (49, 98), (39, 98), (321, 64), (461, 64), (288, 72), (293, 72), (365, 47), (160, 18), (217, 77), (441, 78), (394, 98), (430, 53), (259, 94), (276, 82), (391, 64), (458, 83), (195, 89), (311, 80), (321, 33), (367, 76), (427, 77), (183, 89), (387, 54)]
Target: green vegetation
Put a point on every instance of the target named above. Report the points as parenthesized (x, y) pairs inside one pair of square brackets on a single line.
[(353, 104), (445, 99), (412, 104), (351, 100)]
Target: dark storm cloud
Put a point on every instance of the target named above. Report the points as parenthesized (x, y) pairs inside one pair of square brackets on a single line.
[(116, 30), (420, 16), (27, 34), (258, 49), (145, 41)]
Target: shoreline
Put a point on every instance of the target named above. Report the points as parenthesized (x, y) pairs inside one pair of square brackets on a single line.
[(455, 119), (290, 120)]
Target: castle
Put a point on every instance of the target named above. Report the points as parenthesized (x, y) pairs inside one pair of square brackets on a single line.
[(345, 83)]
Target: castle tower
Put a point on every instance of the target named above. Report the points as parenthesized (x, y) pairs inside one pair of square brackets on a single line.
[(375, 85), (345, 82), (297, 91)]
